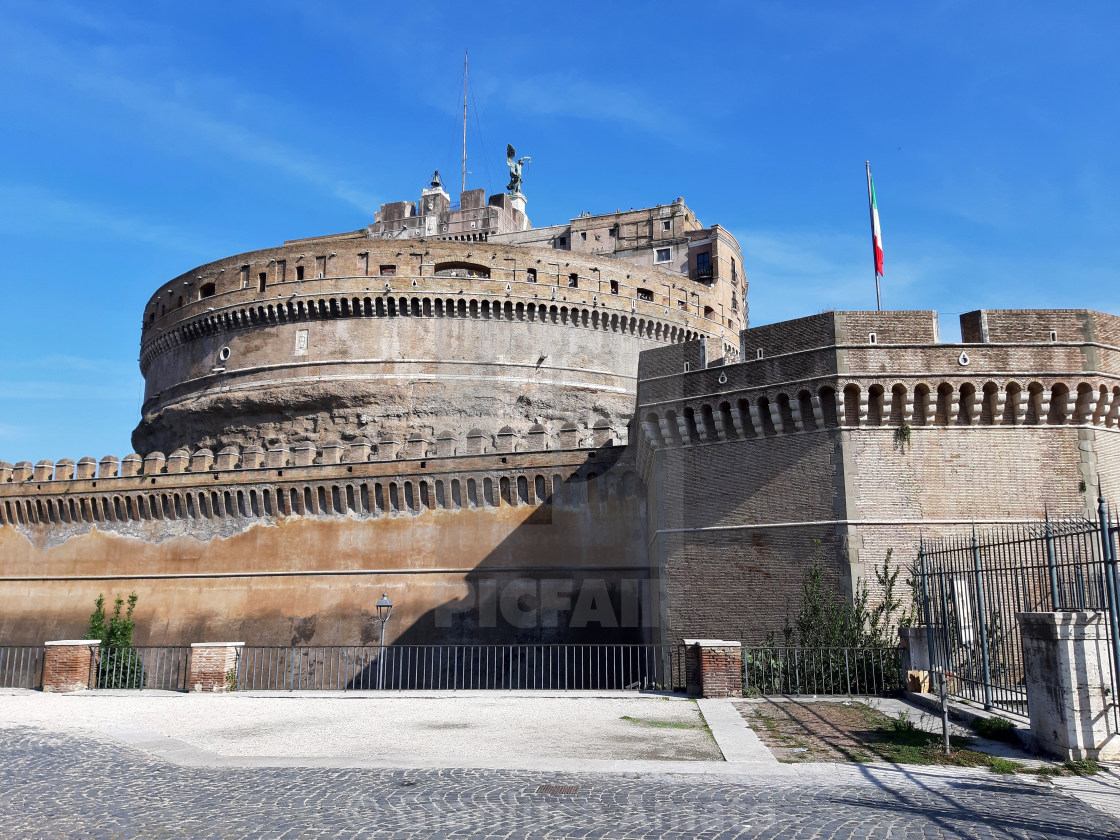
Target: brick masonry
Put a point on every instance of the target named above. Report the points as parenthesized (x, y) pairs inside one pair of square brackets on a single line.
[(212, 664), (714, 668), (69, 665), (855, 434)]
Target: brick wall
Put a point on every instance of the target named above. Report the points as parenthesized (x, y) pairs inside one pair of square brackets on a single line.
[(211, 663), (69, 665)]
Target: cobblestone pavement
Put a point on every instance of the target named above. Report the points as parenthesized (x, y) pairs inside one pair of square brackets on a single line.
[(67, 785)]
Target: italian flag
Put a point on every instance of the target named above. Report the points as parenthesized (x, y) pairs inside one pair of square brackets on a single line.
[(876, 233)]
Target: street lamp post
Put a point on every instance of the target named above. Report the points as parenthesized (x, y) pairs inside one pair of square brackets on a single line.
[(384, 610)]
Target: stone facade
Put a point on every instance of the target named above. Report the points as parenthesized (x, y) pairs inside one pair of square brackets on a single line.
[(846, 434)]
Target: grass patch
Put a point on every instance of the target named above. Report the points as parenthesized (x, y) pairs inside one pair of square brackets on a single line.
[(1087, 767), (662, 724), (855, 732), (995, 729)]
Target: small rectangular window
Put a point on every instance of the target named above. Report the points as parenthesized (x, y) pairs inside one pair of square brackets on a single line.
[(1053, 335), (758, 353), (573, 280), (704, 264), (282, 270), (645, 294), (388, 271), (613, 232), (531, 275), (244, 277), (666, 225), (583, 235), (299, 272), (614, 287), (262, 281), (664, 255), (687, 367)]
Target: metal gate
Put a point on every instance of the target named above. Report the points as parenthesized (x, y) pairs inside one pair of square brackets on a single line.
[(971, 587)]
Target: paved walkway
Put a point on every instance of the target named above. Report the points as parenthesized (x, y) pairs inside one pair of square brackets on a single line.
[(64, 777)]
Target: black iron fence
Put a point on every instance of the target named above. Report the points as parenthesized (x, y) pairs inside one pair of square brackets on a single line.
[(21, 666), (163, 668), (769, 670), (972, 586), (466, 667)]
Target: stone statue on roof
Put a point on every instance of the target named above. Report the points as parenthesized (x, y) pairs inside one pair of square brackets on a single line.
[(514, 186)]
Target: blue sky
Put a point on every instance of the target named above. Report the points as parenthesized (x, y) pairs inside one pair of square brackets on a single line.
[(143, 139)]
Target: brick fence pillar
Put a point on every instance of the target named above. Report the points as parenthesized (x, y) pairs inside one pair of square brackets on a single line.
[(1069, 692), (714, 668), (70, 664), (210, 664)]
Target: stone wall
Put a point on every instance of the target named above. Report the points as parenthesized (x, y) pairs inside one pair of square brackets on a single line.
[(287, 555), (458, 337), (844, 450)]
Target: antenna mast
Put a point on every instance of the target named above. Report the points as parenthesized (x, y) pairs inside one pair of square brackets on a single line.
[(464, 189)]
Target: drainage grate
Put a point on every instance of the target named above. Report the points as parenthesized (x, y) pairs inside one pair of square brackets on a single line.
[(558, 790)]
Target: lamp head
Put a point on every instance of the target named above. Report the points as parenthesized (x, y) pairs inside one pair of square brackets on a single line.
[(384, 607)]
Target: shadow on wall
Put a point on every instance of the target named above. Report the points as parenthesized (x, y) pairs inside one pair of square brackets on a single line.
[(514, 608)]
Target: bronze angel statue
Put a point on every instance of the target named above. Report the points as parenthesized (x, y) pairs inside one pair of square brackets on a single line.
[(514, 187)]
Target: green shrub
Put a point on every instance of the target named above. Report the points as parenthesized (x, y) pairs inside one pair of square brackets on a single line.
[(995, 729), (119, 666)]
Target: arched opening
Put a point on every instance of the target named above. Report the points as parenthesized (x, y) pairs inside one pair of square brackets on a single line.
[(944, 404), (989, 404), (875, 405), (805, 408), (1059, 405), (459, 268), (851, 405)]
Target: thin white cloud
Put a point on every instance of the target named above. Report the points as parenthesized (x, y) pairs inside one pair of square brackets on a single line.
[(572, 95), (164, 102), (27, 210)]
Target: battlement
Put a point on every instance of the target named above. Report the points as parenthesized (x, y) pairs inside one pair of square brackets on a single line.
[(831, 329), (1040, 326), (246, 484), (568, 437)]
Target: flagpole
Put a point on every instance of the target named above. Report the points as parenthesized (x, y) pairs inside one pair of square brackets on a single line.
[(874, 264)]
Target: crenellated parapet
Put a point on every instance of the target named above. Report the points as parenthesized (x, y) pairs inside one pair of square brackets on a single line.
[(815, 406), (230, 489), (826, 372)]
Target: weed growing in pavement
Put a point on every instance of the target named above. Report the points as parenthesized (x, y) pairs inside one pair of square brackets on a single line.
[(1086, 767), (902, 723), (662, 724), (995, 729)]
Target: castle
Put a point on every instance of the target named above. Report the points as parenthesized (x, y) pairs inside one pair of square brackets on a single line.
[(566, 433)]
